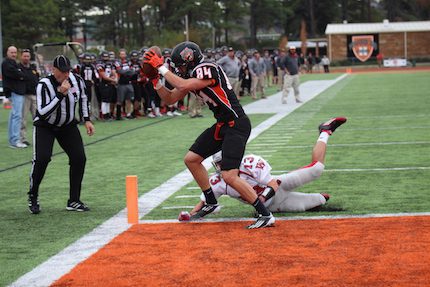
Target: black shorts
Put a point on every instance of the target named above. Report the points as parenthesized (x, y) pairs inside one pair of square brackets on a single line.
[(230, 138), (137, 92), (106, 92)]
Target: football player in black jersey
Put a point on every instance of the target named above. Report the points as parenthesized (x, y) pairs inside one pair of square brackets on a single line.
[(229, 134), (108, 80)]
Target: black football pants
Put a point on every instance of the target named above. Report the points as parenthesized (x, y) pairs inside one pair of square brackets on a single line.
[(70, 141)]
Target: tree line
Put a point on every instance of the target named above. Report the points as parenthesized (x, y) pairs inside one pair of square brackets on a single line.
[(137, 23)]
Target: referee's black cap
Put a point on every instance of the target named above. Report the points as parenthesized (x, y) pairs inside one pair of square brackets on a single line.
[(62, 63)]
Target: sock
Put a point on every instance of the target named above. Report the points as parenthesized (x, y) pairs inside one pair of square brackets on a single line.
[(323, 137), (210, 197), (260, 208), (118, 111)]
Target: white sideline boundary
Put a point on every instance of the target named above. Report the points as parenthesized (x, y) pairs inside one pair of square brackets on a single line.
[(63, 262), (367, 169), (294, 218)]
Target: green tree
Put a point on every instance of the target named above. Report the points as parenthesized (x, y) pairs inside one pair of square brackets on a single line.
[(26, 22)]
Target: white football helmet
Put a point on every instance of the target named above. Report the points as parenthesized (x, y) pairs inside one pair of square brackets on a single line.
[(216, 161)]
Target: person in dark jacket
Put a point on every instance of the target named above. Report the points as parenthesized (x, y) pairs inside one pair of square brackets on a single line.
[(14, 87), (31, 80)]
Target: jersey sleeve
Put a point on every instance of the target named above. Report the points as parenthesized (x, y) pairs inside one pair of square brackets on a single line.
[(206, 71), (258, 167)]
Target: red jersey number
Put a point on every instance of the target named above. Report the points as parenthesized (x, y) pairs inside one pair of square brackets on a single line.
[(215, 179)]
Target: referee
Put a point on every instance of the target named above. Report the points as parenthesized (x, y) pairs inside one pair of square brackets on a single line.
[(57, 96)]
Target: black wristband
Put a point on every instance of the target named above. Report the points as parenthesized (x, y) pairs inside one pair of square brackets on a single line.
[(268, 192)]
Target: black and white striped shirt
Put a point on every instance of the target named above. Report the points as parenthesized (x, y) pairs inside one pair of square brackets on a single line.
[(57, 109)]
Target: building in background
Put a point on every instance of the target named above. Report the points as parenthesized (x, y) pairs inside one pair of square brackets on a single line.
[(363, 41)]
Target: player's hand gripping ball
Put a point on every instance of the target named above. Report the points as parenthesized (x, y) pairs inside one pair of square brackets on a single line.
[(184, 216), (152, 59)]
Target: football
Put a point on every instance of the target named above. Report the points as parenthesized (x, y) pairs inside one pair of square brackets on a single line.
[(184, 216), (147, 69)]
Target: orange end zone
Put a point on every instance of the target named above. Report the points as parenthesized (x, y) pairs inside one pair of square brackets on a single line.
[(355, 252)]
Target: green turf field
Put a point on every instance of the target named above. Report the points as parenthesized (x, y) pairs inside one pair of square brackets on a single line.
[(388, 127)]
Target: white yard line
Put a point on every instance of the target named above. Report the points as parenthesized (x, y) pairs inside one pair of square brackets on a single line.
[(320, 217), (366, 169), (178, 207), (281, 144), (60, 264), (350, 130), (392, 116), (362, 144), (189, 196), (278, 137), (256, 150)]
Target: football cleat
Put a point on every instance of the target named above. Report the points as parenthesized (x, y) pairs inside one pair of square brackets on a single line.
[(331, 125), (33, 205), (205, 210), (263, 221)]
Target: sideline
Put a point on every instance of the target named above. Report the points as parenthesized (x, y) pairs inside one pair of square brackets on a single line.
[(292, 218), (58, 265)]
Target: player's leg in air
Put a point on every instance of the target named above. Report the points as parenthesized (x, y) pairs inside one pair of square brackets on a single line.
[(288, 200)]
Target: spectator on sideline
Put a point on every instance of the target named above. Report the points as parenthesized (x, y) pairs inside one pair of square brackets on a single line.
[(125, 90), (268, 62), (31, 80), (245, 77), (257, 68), (291, 78), (280, 68), (89, 74), (311, 62), (231, 66), (136, 82), (325, 61), (15, 88), (302, 64), (194, 106), (274, 58), (108, 80)]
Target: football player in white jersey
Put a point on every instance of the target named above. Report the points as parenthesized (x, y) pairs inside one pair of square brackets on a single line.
[(277, 192)]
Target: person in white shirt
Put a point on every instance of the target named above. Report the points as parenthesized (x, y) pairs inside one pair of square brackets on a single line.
[(277, 192), (325, 62)]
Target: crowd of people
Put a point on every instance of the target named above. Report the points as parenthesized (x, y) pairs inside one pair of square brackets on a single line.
[(117, 89), (122, 90)]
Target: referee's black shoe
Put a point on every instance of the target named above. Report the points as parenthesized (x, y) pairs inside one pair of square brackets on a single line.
[(77, 206), (33, 204)]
